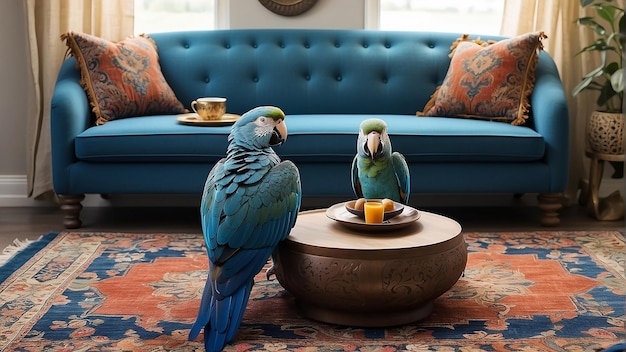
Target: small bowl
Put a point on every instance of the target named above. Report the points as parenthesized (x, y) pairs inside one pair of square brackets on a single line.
[(397, 210)]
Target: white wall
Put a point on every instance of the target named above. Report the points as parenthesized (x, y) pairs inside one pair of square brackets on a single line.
[(13, 88)]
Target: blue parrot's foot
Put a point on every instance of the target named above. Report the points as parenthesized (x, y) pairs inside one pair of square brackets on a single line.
[(270, 271)]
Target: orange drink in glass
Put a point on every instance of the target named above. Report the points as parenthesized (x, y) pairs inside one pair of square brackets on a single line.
[(374, 212)]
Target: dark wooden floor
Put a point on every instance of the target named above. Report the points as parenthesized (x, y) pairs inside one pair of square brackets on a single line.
[(501, 215)]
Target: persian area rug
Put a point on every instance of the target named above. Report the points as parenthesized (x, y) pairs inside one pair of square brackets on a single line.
[(535, 291)]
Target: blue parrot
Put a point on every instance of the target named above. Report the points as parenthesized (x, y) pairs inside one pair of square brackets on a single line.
[(620, 347), (250, 203), (377, 172)]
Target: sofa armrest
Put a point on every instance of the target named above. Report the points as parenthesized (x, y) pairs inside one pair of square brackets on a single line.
[(70, 114), (551, 119)]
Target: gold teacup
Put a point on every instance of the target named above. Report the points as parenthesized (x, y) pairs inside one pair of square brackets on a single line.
[(210, 108)]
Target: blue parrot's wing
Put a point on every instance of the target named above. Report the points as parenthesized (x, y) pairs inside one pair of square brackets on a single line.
[(356, 183), (401, 169), (254, 219), (208, 196)]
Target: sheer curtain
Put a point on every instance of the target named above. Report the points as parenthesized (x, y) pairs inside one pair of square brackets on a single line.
[(565, 38), (46, 20)]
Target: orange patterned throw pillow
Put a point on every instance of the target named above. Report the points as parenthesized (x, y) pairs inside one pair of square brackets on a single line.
[(122, 79), (489, 81)]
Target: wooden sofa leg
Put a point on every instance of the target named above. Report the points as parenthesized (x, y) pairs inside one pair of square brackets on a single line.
[(71, 207), (550, 204)]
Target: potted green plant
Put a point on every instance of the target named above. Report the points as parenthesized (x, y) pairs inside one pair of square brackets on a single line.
[(605, 129)]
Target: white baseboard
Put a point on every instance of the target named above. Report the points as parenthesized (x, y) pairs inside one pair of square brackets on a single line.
[(14, 192)]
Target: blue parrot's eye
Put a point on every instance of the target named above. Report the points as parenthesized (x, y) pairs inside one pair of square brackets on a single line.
[(263, 122)]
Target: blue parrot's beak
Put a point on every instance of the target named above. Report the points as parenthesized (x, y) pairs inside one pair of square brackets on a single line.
[(279, 135), (373, 146)]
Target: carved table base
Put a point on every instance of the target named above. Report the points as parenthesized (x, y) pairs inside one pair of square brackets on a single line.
[(341, 276), (365, 319)]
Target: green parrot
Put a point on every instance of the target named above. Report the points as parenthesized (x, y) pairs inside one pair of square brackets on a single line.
[(250, 203), (377, 172)]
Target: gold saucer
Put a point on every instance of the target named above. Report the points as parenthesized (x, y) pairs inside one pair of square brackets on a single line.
[(193, 119)]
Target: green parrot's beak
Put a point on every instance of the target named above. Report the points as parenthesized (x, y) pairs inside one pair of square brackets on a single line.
[(373, 143)]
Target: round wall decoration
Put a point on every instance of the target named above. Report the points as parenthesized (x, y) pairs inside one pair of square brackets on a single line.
[(288, 7)]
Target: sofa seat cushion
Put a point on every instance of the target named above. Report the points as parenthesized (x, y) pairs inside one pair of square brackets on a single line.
[(313, 138), (158, 138)]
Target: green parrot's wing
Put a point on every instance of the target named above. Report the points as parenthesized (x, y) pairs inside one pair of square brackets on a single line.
[(245, 224), (401, 168), (356, 184)]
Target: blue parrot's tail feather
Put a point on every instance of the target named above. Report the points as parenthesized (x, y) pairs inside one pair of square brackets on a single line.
[(223, 309), (226, 317), (238, 311), (203, 312)]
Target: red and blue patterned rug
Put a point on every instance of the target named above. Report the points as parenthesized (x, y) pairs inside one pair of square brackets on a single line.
[(532, 291)]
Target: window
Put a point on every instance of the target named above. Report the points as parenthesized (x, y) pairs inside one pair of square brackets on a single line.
[(458, 16), (153, 16)]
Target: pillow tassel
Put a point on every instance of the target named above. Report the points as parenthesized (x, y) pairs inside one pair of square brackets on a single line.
[(529, 83), (74, 50), (466, 38)]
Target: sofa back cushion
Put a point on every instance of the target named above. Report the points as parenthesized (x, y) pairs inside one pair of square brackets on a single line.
[(307, 71)]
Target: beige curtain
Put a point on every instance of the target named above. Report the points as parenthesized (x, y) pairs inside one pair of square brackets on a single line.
[(565, 38), (46, 20)]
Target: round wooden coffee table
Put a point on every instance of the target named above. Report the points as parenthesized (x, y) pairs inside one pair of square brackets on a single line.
[(342, 275)]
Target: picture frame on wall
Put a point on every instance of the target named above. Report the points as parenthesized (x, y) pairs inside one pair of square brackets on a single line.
[(288, 7)]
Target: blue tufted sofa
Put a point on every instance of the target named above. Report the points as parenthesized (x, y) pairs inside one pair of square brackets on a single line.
[(327, 82)]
